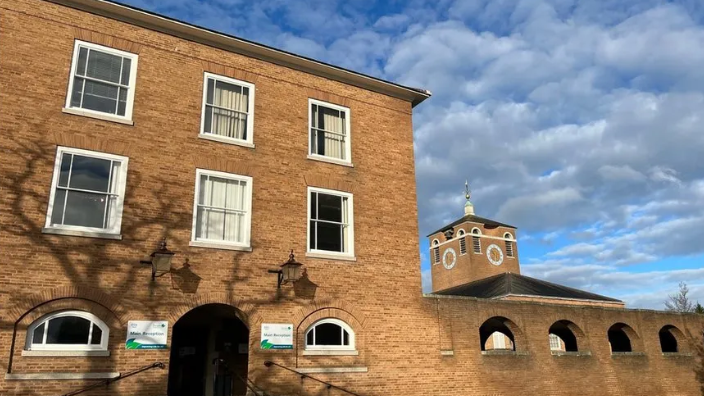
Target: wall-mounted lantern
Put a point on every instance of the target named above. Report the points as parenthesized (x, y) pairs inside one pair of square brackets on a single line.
[(160, 260), (290, 271)]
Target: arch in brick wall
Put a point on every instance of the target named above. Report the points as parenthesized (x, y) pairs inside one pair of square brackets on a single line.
[(622, 338), (672, 340), (59, 298), (571, 335), (244, 310), (505, 326)]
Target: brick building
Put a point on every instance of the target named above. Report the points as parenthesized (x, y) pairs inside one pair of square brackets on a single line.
[(122, 128)]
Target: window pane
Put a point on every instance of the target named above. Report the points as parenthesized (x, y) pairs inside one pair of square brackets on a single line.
[(82, 57), (85, 209), (100, 97), (57, 211), (208, 119), (309, 337), (68, 330), (313, 205), (211, 91), (90, 173), (329, 237), (230, 96), (330, 208), (104, 66), (346, 337), (126, 65), (122, 103), (313, 233), (328, 334), (38, 336), (97, 335), (77, 92), (65, 167)]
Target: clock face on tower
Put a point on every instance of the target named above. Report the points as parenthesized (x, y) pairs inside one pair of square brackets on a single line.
[(449, 258), (494, 254)]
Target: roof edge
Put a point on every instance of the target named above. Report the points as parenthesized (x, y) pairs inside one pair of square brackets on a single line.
[(157, 22), (612, 301)]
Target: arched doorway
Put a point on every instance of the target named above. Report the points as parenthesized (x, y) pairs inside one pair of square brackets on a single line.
[(209, 353)]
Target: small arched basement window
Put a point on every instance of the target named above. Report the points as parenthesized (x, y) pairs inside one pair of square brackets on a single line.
[(476, 244), (68, 331), (330, 334), (509, 245), (463, 241), (668, 341), (619, 339), (436, 251)]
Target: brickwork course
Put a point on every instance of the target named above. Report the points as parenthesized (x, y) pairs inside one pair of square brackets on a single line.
[(407, 343)]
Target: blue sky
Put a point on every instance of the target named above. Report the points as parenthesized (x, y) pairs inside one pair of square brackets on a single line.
[(581, 122)]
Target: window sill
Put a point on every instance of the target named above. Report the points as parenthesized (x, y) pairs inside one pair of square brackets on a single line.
[(60, 376), (212, 245), (331, 352), (330, 160), (46, 353), (499, 352), (566, 353), (330, 256), (677, 355), (219, 139), (97, 116), (85, 234), (331, 370), (627, 354)]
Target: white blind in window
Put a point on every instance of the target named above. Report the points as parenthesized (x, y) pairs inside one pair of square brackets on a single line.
[(222, 207)]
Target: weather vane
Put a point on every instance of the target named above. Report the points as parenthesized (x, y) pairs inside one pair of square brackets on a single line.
[(467, 193)]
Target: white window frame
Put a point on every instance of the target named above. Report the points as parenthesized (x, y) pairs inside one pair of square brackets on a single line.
[(555, 342), (509, 246), (248, 217), (338, 322), (348, 146), (461, 235), (130, 88), (435, 251), (477, 235), (249, 142), (350, 215), (121, 183), (103, 346)]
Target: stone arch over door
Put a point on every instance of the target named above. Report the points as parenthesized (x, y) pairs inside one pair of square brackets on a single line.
[(246, 312)]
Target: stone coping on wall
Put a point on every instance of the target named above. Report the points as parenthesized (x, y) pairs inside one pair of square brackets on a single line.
[(571, 353), (488, 300), (504, 353), (627, 354)]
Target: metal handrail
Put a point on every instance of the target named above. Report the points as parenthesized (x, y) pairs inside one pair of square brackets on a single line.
[(109, 381), (269, 363)]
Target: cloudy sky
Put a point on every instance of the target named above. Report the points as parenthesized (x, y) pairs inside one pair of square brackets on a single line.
[(579, 121)]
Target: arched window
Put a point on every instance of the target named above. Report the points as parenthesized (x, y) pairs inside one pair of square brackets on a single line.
[(68, 331), (463, 241), (668, 339), (330, 334), (619, 338), (509, 244), (476, 244), (436, 251), (562, 337)]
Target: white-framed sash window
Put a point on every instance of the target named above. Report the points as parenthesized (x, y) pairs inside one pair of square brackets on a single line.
[(222, 208), (102, 81), (228, 109), (87, 191), (330, 222), (329, 131)]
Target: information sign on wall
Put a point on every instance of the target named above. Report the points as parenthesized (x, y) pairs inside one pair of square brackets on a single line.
[(147, 334), (277, 336)]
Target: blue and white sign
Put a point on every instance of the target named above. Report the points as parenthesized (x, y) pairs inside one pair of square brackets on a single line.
[(277, 336), (147, 334)]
